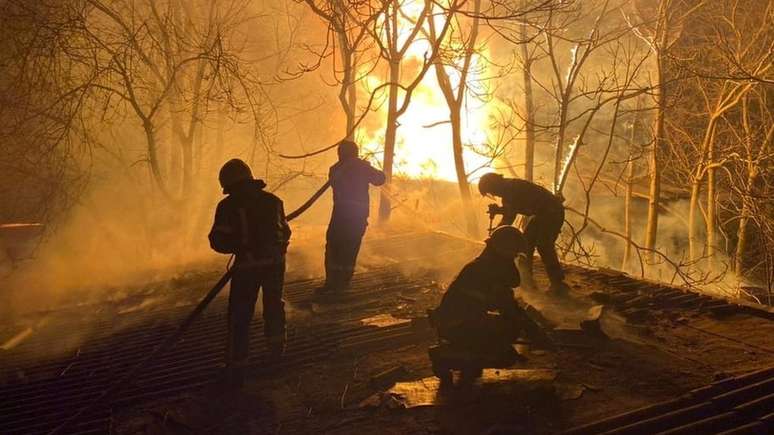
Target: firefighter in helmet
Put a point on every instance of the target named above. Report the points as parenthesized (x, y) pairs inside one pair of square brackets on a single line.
[(350, 178), (250, 223), (464, 318), (529, 199)]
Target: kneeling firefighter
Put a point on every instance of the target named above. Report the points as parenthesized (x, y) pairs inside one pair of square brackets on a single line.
[(529, 199), (251, 224), (484, 285)]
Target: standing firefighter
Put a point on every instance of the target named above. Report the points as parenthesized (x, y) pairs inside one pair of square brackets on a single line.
[(529, 199), (250, 223), (350, 178)]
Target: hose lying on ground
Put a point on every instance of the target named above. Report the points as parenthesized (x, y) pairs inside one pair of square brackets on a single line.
[(170, 341)]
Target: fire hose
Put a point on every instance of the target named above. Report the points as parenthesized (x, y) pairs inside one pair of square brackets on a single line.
[(170, 341), (296, 213)]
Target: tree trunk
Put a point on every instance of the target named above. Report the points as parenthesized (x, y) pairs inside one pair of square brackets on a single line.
[(153, 160), (711, 203), (529, 108), (348, 93), (628, 198), (462, 177), (654, 188), (559, 153), (692, 212), (628, 214), (753, 171), (455, 98), (352, 101), (385, 205), (701, 166), (188, 135), (187, 148), (741, 232), (175, 164)]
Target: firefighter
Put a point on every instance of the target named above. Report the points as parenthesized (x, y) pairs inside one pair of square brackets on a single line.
[(349, 178), (484, 285), (251, 224), (547, 212)]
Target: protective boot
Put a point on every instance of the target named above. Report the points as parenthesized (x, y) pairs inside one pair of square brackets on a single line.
[(331, 283), (345, 279), (558, 288), (277, 345), (324, 290), (524, 264), (234, 378)]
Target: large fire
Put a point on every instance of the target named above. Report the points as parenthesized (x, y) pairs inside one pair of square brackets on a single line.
[(424, 139)]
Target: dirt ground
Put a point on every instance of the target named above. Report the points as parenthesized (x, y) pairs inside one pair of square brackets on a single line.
[(372, 374), (589, 376)]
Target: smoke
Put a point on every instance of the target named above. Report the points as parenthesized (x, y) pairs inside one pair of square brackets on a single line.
[(123, 232)]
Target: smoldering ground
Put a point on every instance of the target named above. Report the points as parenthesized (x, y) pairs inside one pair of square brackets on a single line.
[(133, 255)]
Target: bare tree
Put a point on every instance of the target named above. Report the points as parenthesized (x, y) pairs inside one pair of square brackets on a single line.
[(46, 144), (395, 32), (659, 29), (527, 58), (567, 50), (459, 55), (720, 95), (633, 152), (757, 143), (349, 21), (151, 58)]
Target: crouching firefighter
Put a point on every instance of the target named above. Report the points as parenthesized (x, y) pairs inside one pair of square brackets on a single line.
[(251, 224), (350, 178), (547, 212), (465, 320)]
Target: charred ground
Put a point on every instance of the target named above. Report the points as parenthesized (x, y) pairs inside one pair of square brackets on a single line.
[(344, 357)]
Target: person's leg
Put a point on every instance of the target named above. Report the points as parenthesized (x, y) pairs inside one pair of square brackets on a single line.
[(479, 335), (241, 305), (331, 239), (546, 246), (274, 307), (496, 334), (350, 249)]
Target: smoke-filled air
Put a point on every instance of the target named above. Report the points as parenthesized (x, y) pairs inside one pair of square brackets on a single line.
[(386, 216)]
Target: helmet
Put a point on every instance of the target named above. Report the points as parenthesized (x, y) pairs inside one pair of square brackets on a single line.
[(347, 148), (487, 182), (234, 171), (507, 240)]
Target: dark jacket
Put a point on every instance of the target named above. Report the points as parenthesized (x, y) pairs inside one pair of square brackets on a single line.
[(484, 284), (529, 199), (250, 223), (350, 179)]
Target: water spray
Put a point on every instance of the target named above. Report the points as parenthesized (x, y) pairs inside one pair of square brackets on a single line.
[(572, 152)]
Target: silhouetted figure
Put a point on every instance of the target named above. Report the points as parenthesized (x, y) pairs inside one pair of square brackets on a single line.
[(483, 285), (529, 199), (350, 178), (250, 223)]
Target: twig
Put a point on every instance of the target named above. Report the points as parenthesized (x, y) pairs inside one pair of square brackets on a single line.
[(343, 395)]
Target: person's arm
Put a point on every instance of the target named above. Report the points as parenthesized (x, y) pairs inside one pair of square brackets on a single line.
[(284, 223), (504, 301), (331, 173), (509, 214), (223, 235), (375, 176)]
